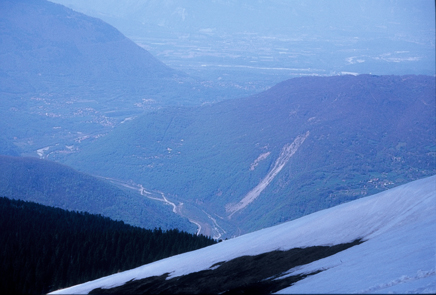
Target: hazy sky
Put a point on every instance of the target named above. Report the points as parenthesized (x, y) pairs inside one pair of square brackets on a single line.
[(319, 37)]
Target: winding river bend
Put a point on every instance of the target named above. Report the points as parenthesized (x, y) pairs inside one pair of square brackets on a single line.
[(206, 224)]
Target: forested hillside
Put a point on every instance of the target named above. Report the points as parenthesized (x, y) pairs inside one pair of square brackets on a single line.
[(363, 134), (57, 185), (46, 248)]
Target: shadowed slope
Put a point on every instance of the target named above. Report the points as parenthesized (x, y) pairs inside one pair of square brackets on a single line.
[(53, 184), (258, 274), (365, 134)]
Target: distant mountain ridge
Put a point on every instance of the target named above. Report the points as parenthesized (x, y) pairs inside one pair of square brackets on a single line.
[(365, 134), (260, 43), (56, 42), (63, 74), (262, 17)]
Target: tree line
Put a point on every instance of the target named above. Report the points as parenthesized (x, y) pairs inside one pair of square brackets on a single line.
[(46, 248)]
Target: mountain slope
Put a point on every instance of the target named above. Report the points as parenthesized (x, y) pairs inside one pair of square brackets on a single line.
[(65, 76), (46, 248), (52, 50), (393, 250), (53, 46), (53, 184), (304, 145)]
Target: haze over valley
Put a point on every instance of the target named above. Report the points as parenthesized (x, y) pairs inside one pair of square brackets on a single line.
[(217, 118), (252, 45)]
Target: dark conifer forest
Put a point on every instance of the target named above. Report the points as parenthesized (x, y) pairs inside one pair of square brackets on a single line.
[(46, 248)]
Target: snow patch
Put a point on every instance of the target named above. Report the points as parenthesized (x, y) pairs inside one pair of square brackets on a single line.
[(287, 152), (398, 255), (401, 280), (126, 119), (260, 158)]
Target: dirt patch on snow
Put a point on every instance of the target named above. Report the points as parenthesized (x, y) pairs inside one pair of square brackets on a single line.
[(258, 274)]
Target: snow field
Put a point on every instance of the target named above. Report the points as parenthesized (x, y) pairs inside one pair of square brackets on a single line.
[(399, 226)]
